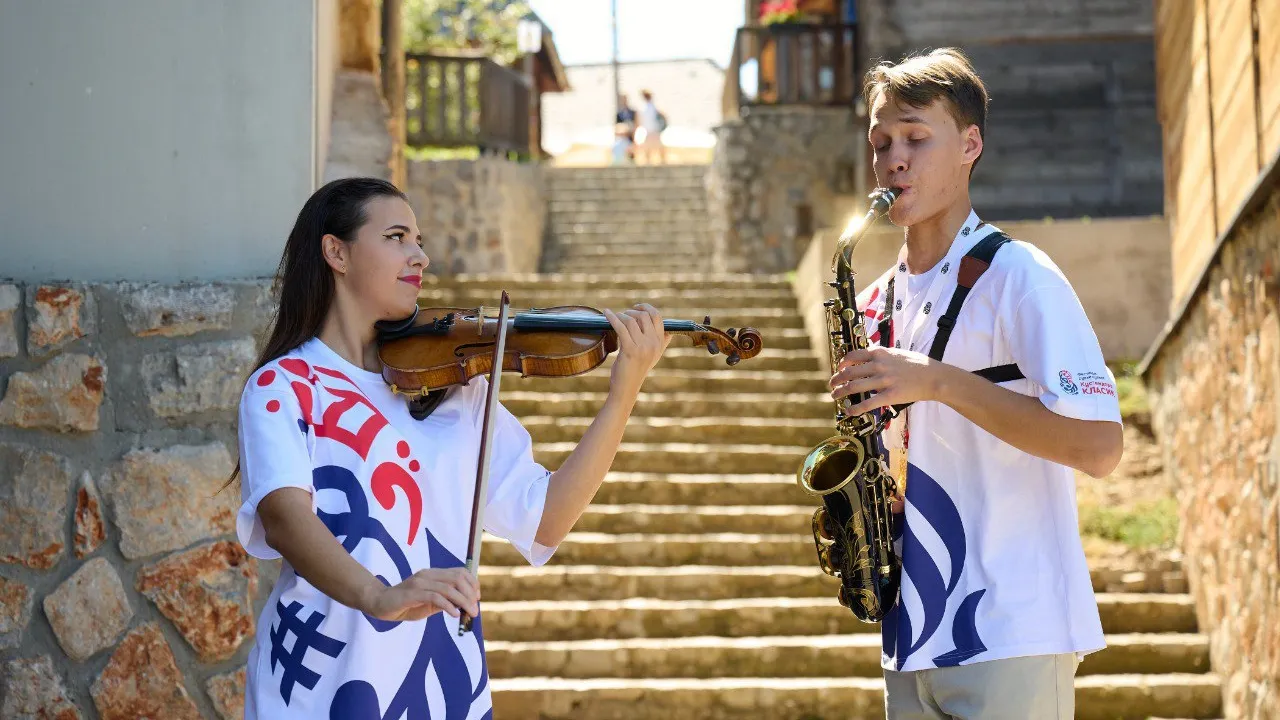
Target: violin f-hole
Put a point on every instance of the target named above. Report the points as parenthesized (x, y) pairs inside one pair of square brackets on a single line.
[(457, 352)]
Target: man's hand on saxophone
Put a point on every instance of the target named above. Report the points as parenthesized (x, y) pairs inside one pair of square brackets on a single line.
[(895, 376)]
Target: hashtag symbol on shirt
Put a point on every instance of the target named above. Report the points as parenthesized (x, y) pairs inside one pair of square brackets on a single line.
[(306, 637)]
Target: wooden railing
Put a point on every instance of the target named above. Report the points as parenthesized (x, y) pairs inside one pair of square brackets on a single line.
[(464, 101), (792, 64)]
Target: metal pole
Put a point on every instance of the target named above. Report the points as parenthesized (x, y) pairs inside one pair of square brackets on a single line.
[(617, 83)]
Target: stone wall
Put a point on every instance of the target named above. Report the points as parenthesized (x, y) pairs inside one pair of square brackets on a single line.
[(477, 216), (1214, 391), (123, 592), (769, 166)]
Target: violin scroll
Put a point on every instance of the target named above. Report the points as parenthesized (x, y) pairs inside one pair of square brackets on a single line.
[(735, 343)]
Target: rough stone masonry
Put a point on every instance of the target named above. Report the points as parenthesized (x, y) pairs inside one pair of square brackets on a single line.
[(1214, 388), (123, 592)]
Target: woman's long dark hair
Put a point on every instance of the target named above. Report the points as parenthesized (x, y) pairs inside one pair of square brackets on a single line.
[(304, 279)]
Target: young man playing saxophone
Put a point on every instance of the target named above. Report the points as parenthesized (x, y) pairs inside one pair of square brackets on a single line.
[(996, 606)]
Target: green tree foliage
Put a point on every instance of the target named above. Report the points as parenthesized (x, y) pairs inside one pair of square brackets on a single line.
[(487, 25)]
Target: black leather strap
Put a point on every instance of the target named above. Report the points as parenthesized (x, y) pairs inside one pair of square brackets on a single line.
[(1001, 373), (972, 266)]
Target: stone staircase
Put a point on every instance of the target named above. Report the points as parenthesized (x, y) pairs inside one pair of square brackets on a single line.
[(650, 219), (690, 588)]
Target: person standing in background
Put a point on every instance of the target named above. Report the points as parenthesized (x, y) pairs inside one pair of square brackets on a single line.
[(652, 123), (626, 116)]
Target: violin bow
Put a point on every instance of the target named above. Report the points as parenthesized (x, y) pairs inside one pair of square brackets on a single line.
[(486, 447)]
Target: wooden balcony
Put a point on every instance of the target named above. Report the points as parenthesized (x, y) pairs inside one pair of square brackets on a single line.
[(466, 101), (792, 64)]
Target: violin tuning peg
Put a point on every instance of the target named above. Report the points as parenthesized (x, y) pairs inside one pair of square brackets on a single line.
[(731, 332), (733, 359), (706, 320), (713, 347)]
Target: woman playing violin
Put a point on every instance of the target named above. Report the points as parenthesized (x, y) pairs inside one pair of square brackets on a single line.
[(369, 507)]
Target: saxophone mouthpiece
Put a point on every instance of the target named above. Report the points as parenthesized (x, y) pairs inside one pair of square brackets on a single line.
[(883, 198)]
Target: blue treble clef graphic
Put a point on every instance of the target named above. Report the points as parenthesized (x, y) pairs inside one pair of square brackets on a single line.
[(437, 652)]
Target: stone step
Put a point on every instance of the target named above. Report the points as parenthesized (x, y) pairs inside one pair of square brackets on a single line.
[(1098, 697), (638, 244), (678, 358), (562, 282), (682, 582), (560, 620), (632, 243), (601, 210), (651, 227), (610, 266), (711, 430), (501, 583), (730, 380), (684, 519), (628, 187), (621, 195), (629, 171), (687, 304), (671, 549), (629, 214), (579, 404), (688, 251), (856, 655), (686, 457), (622, 488)]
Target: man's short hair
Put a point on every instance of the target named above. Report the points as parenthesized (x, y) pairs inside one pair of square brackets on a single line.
[(918, 80)]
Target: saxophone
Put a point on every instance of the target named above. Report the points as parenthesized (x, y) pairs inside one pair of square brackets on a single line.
[(853, 530)]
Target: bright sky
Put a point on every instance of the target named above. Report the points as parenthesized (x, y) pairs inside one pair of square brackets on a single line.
[(647, 29)]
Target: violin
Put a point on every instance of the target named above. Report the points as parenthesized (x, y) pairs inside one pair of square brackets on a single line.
[(438, 347)]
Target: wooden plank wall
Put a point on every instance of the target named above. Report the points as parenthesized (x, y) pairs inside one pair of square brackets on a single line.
[(1218, 99)]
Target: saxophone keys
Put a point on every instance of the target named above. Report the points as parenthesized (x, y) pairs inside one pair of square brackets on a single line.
[(821, 524)]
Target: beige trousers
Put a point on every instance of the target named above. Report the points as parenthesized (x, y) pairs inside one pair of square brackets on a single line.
[(1039, 687)]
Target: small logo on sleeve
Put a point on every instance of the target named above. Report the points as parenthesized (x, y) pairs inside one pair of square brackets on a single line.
[(1068, 384), (1092, 383)]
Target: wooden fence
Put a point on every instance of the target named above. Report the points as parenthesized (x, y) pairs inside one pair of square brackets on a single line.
[(1218, 98)]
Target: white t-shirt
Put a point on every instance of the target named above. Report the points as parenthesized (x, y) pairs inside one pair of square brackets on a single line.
[(649, 118), (993, 566), (397, 492)]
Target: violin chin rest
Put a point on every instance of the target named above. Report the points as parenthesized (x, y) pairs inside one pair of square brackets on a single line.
[(388, 327)]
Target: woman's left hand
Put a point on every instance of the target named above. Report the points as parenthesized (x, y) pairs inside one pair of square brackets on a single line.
[(641, 342)]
